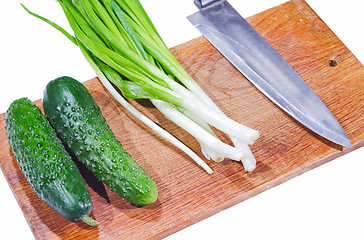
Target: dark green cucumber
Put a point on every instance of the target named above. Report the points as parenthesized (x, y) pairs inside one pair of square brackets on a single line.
[(80, 124), (46, 164)]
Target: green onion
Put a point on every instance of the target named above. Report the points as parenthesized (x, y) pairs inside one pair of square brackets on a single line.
[(120, 42)]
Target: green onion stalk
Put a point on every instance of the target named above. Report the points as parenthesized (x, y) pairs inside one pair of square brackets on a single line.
[(124, 48)]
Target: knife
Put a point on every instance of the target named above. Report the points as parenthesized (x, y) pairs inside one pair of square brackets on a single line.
[(256, 59)]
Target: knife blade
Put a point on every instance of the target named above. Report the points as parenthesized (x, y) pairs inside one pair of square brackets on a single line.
[(262, 65)]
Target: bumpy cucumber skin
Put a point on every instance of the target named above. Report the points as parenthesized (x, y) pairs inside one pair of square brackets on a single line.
[(80, 124), (46, 164)]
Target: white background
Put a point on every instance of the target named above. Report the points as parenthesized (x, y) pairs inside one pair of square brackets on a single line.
[(325, 203)]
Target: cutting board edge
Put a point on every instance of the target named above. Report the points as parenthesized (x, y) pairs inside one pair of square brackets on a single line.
[(260, 189)]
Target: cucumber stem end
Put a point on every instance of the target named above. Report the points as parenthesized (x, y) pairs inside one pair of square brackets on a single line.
[(88, 220)]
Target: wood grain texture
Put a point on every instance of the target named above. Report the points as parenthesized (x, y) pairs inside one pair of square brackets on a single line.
[(186, 193)]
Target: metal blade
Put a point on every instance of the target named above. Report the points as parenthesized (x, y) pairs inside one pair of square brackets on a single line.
[(254, 57)]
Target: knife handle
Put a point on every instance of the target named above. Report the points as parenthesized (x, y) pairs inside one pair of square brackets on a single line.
[(204, 3)]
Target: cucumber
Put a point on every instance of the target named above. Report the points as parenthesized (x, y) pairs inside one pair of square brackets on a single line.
[(73, 112), (46, 164)]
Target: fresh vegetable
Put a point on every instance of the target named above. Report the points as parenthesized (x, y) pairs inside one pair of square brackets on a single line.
[(119, 40), (46, 164), (73, 112)]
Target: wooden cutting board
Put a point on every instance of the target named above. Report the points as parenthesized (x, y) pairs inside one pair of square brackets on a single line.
[(186, 193)]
